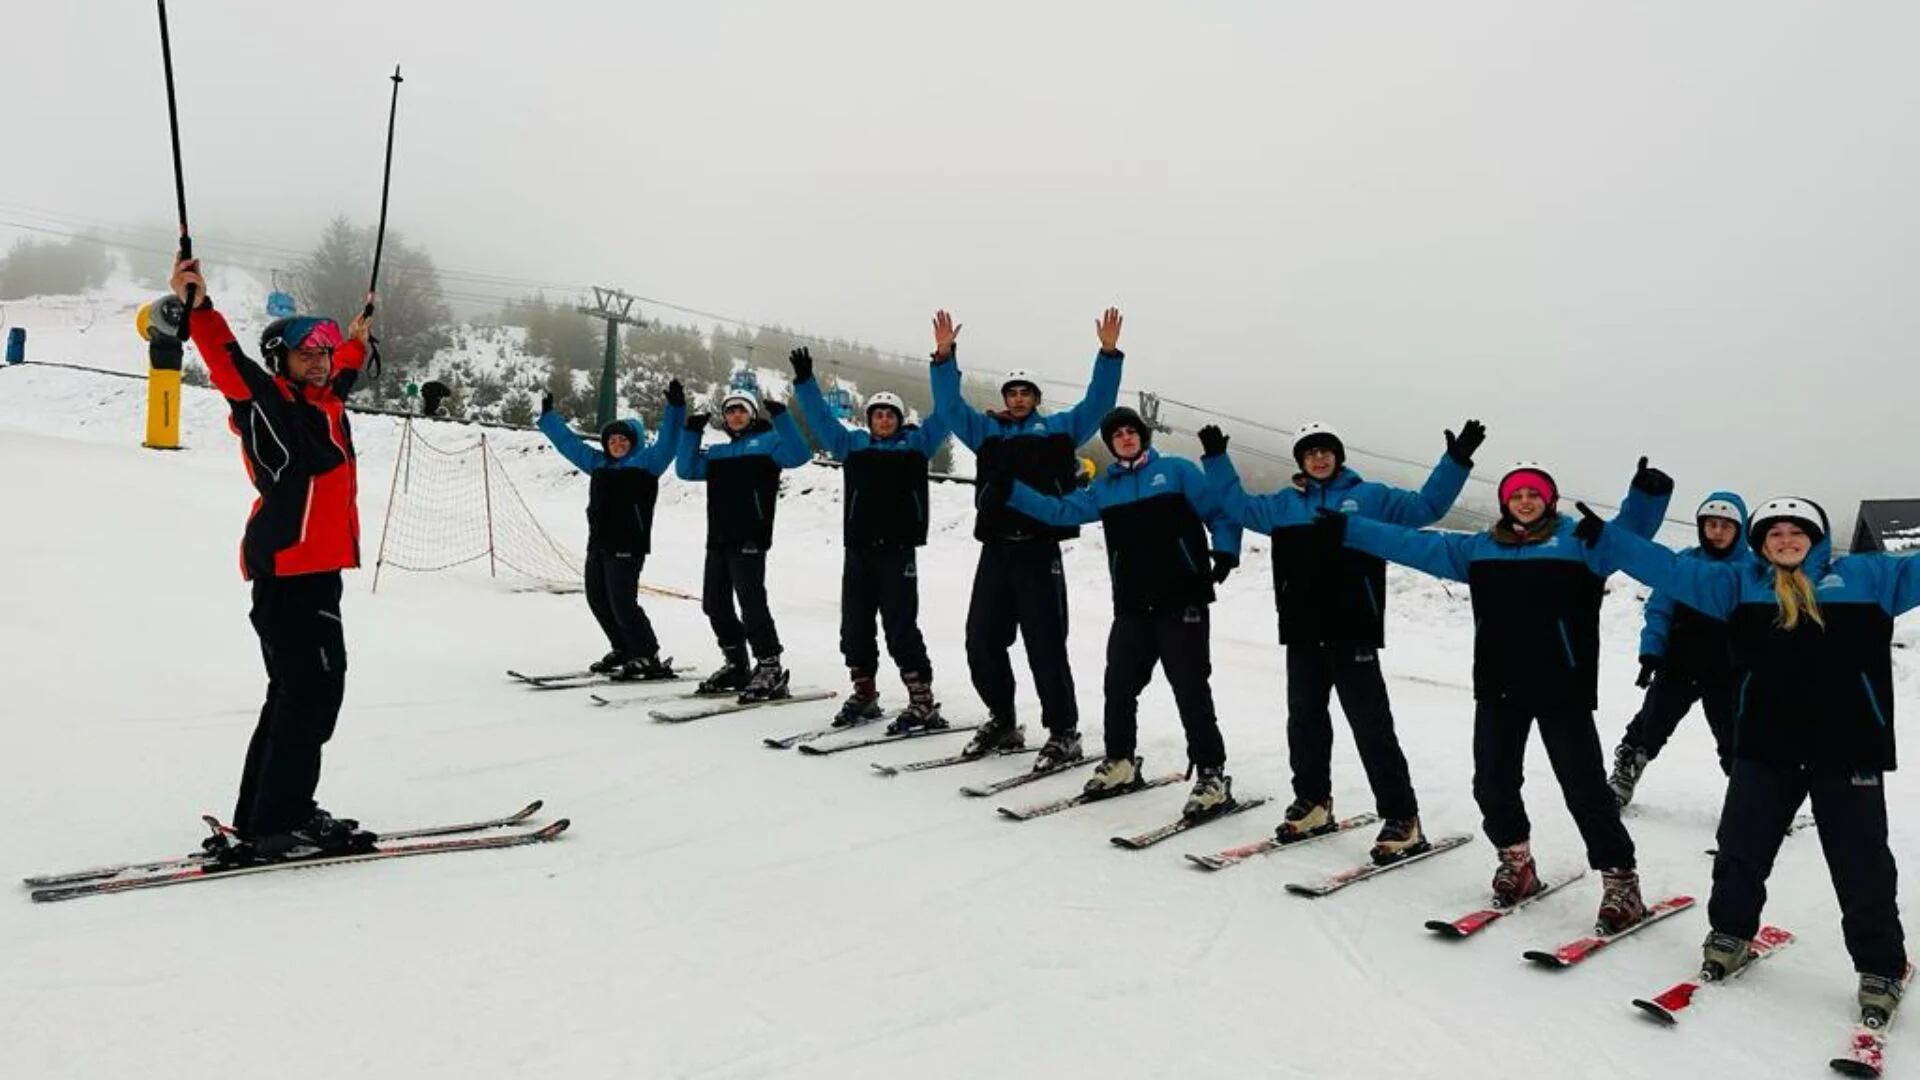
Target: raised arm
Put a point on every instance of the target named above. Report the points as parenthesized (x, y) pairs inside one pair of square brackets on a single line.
[(1896, 579), (1103, 390), (1645, 506), (1224, 529), (575, 449), (967, 423), (1443, 555), (659, 457), (1711, 588), (1431, 503), (351, 356), (1229, 498), (833, 434), (1079, 508), (928, 437), (690, 460), (791, 451)]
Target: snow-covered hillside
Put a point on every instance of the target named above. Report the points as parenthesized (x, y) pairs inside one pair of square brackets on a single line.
[(722, 910)]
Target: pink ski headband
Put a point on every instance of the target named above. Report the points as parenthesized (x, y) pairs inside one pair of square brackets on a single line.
[(1528, 478)]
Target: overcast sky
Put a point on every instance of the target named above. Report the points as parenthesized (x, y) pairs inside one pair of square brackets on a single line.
[(1681, 229)]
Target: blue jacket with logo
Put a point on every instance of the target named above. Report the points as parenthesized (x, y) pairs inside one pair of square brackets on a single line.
[(1328, 597), (743, 478), (885, 503), (1037, 451), (1156, 512), (1819, 695), (1536, 598), (620, 490)]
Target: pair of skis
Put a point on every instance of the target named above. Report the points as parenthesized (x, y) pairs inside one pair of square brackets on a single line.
[(1335, 882), (1136, 841), (575, 680), (181, 870)]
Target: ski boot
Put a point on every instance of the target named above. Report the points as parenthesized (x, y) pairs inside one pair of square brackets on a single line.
[(922, 712), (1212, 793), (998, 733), (1061, 748), (1113, 776), (768, 682), (1879, 997), (732, 677), (645, 669), (1629, 762), (322, 834), (1517, 878), (1620, 902), (1304, 818), (1398, 839), (608, 664), (862, 705), (1723, 954)]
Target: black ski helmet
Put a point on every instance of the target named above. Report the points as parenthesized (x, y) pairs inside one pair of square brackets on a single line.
[(1124, 417)]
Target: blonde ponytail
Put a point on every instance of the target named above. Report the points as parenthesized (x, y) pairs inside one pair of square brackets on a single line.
[(1795, 592)]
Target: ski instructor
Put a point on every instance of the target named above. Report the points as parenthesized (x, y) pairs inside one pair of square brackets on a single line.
[(303, 530)]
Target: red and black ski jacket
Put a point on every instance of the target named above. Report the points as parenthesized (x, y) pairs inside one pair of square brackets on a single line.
[(298, 450)]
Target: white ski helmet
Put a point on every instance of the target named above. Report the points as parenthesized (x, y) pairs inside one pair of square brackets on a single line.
[(1020, 377), (1718, 508), (742, 397), (887, 399), (1313, 434), (1802, 512)]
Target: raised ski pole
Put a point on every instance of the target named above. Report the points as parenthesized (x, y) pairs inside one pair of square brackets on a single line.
[(179, 180), (380, 234)]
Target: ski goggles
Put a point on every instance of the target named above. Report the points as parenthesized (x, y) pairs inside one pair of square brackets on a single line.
[(311, 332)]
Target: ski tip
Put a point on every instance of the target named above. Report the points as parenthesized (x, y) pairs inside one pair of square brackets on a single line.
[(1544, 959), (1444, 928), (883, 770), (1009, 814), (772, 743), (598, 700), (1850, 1067), (1127, 842), (1655, 1011), (1307, 891), (810, 750), (530, 809), (548, 832)]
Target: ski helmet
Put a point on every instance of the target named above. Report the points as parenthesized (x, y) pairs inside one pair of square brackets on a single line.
[(1802, 512), (1020, 377), (1529, 474), (743, 398), (886, 399), (1718, 508), (297, 332), (1314, 435), (626, 428), (1124, 417)]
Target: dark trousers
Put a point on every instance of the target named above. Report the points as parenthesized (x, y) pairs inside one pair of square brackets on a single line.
[(739, 572), (1019, 587), (1177, 640), (613, 592), (1573, 748), (1851, 814), (1668, 699), (305, 649), (1314, 673), (882, 581)]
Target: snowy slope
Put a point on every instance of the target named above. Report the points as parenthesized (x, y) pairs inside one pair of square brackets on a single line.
[(721, 910)]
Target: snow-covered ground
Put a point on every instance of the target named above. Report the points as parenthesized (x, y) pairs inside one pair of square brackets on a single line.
[(722, 910)]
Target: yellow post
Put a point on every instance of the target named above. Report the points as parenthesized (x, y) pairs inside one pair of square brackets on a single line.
[(164, 356)]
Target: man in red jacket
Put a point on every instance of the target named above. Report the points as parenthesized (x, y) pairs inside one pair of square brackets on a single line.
[(304, 529)]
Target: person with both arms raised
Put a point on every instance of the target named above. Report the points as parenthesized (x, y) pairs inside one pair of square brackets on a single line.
[(1156, 512), (743, 490), (884, 515), (1332, 606), (624, 482)]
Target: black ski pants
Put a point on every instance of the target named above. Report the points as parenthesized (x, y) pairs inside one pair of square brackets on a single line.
[(739, 571), (1668, 700), (304, 646), (883, 582), (1018, 587), (613, 593), (1314, 674), (1851, 814), (1177, 640), (1500, 730)]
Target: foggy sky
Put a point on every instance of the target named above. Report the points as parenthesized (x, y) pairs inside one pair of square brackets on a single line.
[(1685, 230)]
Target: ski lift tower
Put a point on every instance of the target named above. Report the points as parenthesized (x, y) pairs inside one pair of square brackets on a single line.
[(616, 308)]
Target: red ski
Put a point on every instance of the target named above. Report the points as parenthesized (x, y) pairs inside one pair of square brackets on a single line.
[(1581, 948), (1867, 1053), (1667, 1005), (1475, 921)]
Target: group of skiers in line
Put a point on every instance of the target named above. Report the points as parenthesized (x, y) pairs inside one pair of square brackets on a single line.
[(1787, 647)]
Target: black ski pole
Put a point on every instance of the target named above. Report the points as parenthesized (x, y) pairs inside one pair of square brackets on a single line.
[(179, 180), (380, 234)]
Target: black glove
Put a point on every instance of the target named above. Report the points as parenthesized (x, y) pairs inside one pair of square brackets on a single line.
[(1649, 666), (698, 422), (776, 408), (802, 362), (1590, 527), (1213, 441), (1652, 481), (1461, 447), (676, 394), (546, 402), (1330, 529), (1224, 564)]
